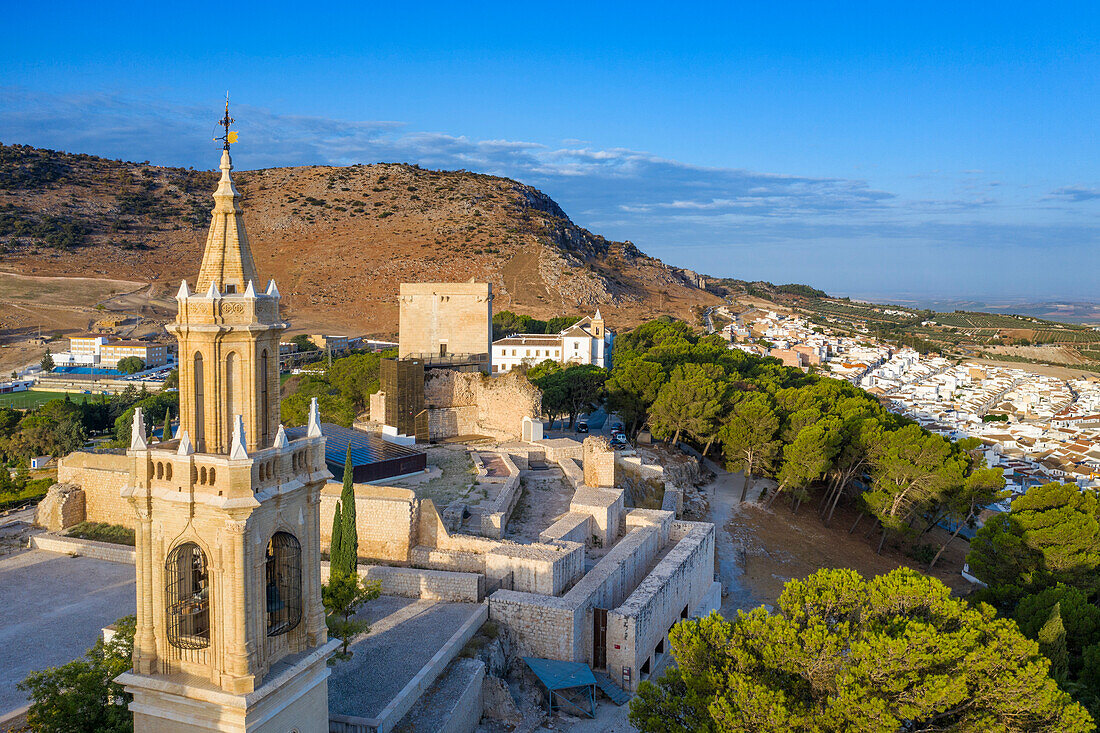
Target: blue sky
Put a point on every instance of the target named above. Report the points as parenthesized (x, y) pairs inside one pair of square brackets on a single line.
[(927, 149)]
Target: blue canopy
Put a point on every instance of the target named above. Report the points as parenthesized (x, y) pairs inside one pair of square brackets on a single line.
[(558, 675)]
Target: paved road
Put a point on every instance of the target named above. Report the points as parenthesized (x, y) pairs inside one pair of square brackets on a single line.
[(724, 494), (52, 608)]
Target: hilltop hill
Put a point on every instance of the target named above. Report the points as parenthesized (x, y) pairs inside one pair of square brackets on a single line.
[(338, 240)]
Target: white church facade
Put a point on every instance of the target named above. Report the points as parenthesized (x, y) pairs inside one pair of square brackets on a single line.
[(585, 342)]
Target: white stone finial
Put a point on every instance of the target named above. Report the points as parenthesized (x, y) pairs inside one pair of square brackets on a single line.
[(212, 291), (314, 430), (178, 429), (598, 317), (280, 438), (137, 432), (185, 448), (183, 292), (250, 291), (271, 289), (237, 450)]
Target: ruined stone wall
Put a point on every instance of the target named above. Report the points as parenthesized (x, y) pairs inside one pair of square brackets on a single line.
[(599, 462), (60, 508), (573, 527), (386, 519), (668, 594), (472, 403), (102, 476)]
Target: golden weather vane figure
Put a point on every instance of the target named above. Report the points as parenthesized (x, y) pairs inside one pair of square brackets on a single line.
[(225, 122)]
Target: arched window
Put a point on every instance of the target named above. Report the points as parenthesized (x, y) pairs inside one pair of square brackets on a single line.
[(284, 583), (265, 427), (230, 397), (187, 597), (200, 415)]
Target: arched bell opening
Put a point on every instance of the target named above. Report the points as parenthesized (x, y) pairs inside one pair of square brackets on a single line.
[(187, 598), (284, 583)]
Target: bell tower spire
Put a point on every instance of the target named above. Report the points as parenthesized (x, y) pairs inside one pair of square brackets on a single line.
[(227, 261)]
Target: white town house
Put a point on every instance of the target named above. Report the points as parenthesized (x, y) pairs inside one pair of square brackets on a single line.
[(585, 342)]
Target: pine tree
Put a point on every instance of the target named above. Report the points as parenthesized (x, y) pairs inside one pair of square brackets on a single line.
[(1052, 643), (349, 542), (335, 561)]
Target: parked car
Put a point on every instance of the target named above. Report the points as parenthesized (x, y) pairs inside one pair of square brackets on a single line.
[(616, 428), (618, 440), (582, 426)]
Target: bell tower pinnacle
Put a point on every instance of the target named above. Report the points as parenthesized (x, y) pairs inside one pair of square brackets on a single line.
[(230, 625)]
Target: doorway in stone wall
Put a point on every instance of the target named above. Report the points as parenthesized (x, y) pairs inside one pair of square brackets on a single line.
[(599, 638)]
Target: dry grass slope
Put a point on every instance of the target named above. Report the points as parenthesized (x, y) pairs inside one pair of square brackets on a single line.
[(339, 240)]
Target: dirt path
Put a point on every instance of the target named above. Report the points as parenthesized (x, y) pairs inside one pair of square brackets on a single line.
[(724, 494)]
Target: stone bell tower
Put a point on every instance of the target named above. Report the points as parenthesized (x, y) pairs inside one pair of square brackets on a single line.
[(230, 627)]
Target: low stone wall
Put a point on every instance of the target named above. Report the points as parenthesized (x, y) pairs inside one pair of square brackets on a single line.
[(432, 585), (500, 511), (573, 527), (558, 449), (86, 548), (561, 627), (572, 472), (385, 518), (536, 568), (635, 466), (605, 506), (665, 596), (673, 500), (102, 476)]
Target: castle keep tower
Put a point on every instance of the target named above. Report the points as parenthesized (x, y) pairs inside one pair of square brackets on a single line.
[(230, 627)]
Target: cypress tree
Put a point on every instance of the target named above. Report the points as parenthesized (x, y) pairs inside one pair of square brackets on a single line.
[(166, 434), (349, 543), (335, 562)]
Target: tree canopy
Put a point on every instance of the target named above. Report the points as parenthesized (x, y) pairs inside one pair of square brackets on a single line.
[(841, 653)]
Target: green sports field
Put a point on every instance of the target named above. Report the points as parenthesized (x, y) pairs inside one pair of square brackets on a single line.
[(24, 400)]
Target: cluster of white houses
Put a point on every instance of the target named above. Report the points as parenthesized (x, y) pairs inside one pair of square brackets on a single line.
[(585, 342)]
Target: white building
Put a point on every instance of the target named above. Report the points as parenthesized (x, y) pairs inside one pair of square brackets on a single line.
[(585, 342), (105, 350)]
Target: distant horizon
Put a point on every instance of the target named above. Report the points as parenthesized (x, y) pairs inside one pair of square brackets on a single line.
[(942, 150)]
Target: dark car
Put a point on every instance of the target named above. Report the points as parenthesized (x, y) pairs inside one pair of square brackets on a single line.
[(582, 426), (618, 440), (616, 428)]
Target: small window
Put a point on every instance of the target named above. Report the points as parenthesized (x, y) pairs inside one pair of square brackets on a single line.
[(188, 599), (230, 288)]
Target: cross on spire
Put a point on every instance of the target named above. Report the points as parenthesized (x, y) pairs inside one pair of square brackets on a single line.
[(225, 122)]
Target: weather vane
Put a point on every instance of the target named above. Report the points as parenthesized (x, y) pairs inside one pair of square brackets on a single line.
[(225, 122)]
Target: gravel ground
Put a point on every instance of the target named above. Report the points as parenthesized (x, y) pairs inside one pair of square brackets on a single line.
[(52, 608), (404, 635)]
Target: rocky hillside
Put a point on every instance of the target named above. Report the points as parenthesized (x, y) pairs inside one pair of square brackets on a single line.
[(338, 240)]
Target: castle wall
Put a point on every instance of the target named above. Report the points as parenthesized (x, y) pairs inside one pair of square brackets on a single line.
[(668, 594), (102, 476), (385, 519), (472, 403)]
